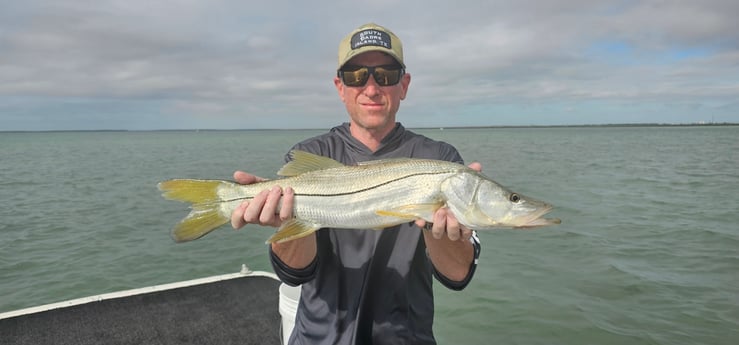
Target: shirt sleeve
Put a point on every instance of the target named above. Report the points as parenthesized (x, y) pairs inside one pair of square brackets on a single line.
[(289, 275)]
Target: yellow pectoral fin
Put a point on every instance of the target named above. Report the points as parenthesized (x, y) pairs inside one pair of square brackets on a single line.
[(411, 212), (396, 214), (292, 230)]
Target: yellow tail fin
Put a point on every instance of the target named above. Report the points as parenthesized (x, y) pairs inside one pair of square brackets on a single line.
[(192, 191), (206, 214)]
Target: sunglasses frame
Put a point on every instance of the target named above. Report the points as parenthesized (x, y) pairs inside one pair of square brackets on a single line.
[(371, 71)]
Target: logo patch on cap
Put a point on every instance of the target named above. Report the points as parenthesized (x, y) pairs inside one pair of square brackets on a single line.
[(371, 37)]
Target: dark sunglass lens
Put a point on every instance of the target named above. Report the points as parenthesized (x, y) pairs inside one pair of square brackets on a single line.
[(356, 77), (387, 77)]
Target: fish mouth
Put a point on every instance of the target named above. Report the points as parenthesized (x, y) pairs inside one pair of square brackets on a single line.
[(535, 220)]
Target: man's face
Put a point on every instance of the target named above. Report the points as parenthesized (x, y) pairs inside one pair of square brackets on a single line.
[(372, 107)]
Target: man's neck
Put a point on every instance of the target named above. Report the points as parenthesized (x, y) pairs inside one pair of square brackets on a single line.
[(370, 137)]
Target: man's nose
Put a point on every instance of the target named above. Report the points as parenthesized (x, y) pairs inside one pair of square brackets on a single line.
[(371, 88)]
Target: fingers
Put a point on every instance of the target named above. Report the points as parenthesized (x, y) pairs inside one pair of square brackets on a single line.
[(254, 208), (452, 227), (445, 223), (476, 166), (288, 201), (439, 227), (237, 216), (246, 178), (465, 233), (264, 209), (269, 210)]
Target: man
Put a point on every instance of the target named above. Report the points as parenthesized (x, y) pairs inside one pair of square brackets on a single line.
[(363, 286)]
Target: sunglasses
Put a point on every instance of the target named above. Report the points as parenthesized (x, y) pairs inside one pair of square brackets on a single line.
[(385, 75)]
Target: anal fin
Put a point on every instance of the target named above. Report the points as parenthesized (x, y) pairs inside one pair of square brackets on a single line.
[(292, 230)]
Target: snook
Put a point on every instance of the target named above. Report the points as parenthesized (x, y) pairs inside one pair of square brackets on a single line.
[(370, 195)]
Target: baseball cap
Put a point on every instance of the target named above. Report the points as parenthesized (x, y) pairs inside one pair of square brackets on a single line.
[(370, 37)]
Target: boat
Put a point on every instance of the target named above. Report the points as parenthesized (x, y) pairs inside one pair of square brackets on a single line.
[(247, 307)]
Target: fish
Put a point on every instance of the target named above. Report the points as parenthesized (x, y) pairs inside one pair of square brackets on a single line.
[(369, 195)]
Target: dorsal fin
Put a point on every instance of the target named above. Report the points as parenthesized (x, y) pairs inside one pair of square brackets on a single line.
[(304, 162)]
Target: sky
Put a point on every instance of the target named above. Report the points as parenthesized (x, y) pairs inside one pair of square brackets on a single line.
[(220, 64)]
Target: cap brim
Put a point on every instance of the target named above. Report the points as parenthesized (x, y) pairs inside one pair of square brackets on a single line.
[(353, 53)]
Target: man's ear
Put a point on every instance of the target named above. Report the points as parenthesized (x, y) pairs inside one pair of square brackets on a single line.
[(405, 81)]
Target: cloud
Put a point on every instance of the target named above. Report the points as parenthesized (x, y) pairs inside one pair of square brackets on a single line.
[(185, 63)]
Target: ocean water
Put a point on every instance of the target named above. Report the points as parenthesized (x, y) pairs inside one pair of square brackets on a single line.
[(648, 251)]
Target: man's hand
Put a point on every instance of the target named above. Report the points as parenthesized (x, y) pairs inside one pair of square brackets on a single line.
[(446, 222), (264, 209)]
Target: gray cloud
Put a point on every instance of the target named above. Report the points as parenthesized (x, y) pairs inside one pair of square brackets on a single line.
[(191, 63)]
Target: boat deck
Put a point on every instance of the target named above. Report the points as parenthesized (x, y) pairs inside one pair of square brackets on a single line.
[(241, 310)]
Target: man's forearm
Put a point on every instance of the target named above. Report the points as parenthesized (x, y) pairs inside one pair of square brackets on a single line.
[(453, 259), (298, 253)]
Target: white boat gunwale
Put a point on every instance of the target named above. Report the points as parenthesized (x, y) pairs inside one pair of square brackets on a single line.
[(245, 272)]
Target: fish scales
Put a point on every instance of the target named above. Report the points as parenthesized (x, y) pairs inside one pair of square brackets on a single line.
[(370, 195)]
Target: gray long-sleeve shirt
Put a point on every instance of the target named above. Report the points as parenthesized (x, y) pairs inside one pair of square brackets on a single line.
[(369, 287)]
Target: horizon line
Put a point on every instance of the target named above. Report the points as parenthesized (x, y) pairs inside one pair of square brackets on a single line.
[(653, 124)]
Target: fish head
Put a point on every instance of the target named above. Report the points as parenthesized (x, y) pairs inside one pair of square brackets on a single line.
[(510, 209), (482, 203)]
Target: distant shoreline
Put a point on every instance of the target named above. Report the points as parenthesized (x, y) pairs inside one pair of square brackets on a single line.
[(445, 127)]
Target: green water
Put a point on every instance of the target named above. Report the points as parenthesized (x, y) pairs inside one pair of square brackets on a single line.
[(648, 252)]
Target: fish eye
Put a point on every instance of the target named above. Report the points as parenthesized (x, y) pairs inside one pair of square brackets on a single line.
[(514, 198)]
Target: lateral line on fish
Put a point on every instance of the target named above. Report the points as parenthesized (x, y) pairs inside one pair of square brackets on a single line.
[(349, 192), (375, 186)]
